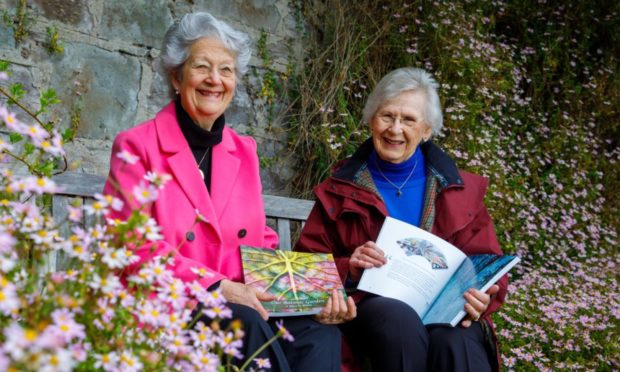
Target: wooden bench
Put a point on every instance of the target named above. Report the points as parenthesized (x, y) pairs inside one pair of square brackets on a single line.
[(84, 186)]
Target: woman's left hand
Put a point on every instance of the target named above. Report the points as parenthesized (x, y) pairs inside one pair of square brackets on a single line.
[(337, 310), (477, 303)]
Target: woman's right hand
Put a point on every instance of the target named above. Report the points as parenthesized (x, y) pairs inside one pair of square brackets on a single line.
[(365, 256), (239, 293)]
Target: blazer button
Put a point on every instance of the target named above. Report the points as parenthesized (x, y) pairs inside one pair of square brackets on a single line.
[(242, 233), (190, 236)]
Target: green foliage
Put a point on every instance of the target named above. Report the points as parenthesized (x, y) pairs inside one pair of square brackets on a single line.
[(46, 99), (37, 146), (54, 44), (19, 22)]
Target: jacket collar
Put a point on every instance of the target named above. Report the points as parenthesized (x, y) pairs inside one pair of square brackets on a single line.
[(171, 138), (183, 165), (438, 163)]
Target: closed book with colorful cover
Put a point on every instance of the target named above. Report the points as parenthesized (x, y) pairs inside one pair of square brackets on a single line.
[(302, 282)]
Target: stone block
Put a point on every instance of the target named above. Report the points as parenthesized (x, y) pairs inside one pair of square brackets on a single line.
[(73, 13), (141, 22), (103, 84), (255, 14)]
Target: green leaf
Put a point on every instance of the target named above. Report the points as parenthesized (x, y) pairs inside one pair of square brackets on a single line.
[(17, 91), (4, 65), (7, 18), (15, 137), (68, 134), (47, 167), (29, 148), (47, 98)]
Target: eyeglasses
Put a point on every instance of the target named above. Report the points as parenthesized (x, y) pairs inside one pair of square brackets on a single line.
[(224, 70), (389, 119)]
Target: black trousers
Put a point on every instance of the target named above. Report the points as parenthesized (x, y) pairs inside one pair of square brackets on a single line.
[(392, 336), (316, 346)]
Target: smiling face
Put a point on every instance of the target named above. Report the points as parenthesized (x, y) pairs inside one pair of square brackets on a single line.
[(398, 126), (206, 81)]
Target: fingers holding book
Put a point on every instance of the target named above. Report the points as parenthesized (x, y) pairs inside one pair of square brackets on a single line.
[(337, 310), (365, 256), (477, 303)]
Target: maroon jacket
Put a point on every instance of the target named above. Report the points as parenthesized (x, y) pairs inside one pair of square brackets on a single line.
[(349, 212)]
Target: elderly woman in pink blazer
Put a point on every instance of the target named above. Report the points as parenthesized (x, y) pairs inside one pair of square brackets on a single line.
[(215, 174)]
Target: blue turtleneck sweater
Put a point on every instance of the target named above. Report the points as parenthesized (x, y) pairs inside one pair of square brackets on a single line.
[(408, 206)]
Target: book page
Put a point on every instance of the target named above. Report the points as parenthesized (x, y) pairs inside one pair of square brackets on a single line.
[(419, 265)]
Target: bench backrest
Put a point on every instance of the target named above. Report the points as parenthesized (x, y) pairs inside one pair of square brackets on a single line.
[(83, 185)]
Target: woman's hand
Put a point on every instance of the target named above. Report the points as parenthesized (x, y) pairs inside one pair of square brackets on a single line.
[(239, 293), (477, 303), (336, 310), (364, 257)]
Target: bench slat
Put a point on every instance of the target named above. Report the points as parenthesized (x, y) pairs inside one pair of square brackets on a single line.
[(284, 232), (79, 184)]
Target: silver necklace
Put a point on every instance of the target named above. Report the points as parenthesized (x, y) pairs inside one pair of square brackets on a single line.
[(200, 162), (398, 189)]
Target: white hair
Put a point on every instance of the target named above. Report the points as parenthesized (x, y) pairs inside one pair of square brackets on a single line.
[(194, 26), (402, 80)]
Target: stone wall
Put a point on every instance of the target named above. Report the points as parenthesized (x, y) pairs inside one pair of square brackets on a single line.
[(107, 75)]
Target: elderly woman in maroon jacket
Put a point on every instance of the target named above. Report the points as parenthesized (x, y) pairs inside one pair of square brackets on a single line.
[(398, 172)]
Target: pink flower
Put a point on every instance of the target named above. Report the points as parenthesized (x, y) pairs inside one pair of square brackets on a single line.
[(37, 133), (219, 311), (9, 301), (262, 363), (231, 344), (204, 361), (65, 325), (157, 179), (284, 332), (74, 214), (145, 193)]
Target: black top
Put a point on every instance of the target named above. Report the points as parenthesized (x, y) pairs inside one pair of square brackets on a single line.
[(200, 141)]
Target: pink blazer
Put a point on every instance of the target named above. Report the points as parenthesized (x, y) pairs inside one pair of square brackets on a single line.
[(233, 210)]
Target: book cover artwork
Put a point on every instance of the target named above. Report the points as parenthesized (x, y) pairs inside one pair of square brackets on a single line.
[(302, 282)]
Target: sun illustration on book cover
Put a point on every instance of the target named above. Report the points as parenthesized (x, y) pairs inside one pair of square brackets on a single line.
[(424, 248)]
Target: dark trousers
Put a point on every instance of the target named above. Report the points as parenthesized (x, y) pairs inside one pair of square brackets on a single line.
[(392, 336), (316, 346)]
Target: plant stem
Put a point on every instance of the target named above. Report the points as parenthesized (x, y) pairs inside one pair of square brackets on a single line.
[(258, 351), (15, 101)]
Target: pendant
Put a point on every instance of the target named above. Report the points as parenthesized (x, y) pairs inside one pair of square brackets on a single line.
[(201, 174), (398, 193)]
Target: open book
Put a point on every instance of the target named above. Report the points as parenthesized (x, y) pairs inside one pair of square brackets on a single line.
[(302, 282), (430, 274)]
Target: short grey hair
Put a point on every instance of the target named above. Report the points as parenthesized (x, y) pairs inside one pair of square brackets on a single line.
[(194, 26), (402, 80)]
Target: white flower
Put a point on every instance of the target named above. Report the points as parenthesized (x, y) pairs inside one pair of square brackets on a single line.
[(59, 360), (127, 157), (145, 193), (157, 179), (107, 362), (9, 301), (129, 363), (150, 230)]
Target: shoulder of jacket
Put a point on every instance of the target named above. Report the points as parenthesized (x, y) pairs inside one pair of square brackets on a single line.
[(475, 181), (138, 132), (239, 141), (471, 193)]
